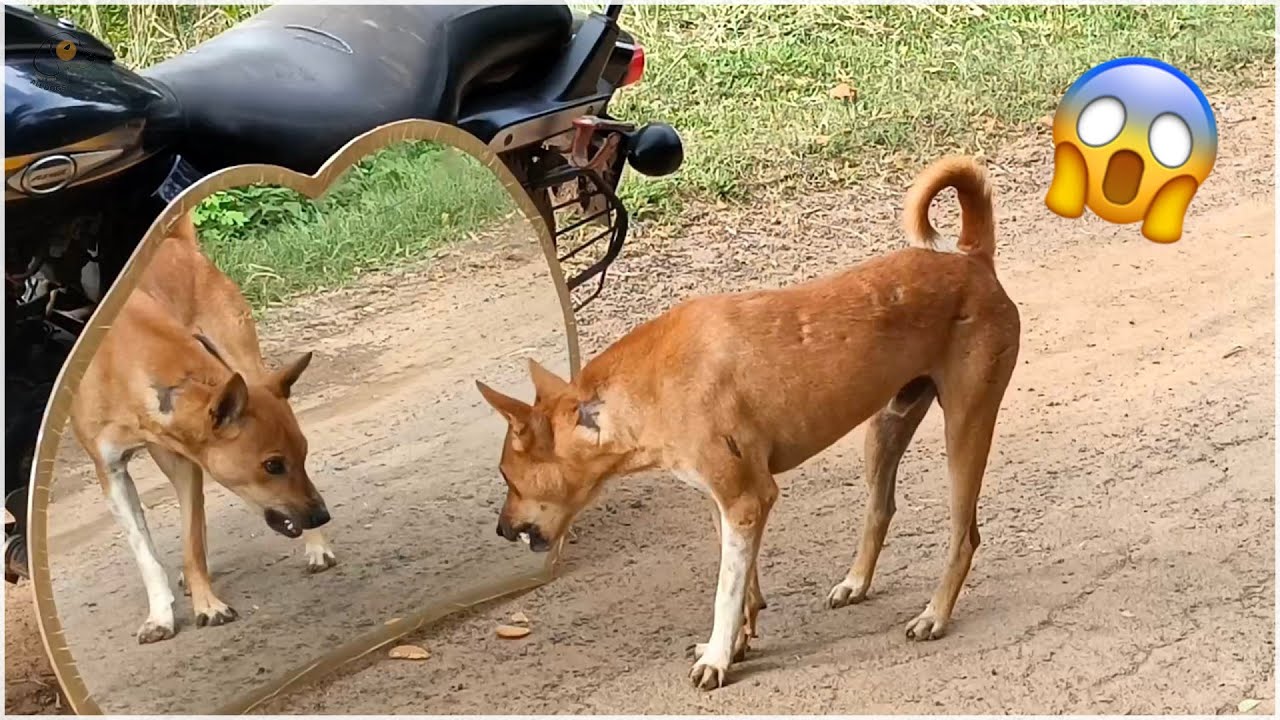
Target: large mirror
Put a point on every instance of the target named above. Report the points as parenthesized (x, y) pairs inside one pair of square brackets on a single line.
[(278, 445)]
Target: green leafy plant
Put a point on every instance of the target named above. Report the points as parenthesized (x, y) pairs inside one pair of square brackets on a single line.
[(250, 210)]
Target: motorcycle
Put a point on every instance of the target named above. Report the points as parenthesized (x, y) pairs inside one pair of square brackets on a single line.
[(95, 151)]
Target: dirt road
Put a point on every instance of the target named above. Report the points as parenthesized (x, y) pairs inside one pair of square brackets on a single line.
[(1127, 514)]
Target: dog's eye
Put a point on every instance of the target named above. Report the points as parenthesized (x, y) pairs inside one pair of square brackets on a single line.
[(274, 466)]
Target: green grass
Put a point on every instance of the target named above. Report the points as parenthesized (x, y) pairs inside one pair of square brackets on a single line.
[(143, 35), (750, 88), (392, 208)]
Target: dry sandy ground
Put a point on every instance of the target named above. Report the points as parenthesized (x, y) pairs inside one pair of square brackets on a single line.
[(30, 687), (1128, 534)]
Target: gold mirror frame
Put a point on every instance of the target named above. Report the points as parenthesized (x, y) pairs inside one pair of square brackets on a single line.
[(59, 406)]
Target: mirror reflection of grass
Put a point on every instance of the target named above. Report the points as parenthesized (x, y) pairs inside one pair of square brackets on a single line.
[(391, 209)]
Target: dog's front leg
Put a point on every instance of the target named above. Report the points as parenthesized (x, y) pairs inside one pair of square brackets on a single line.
[(122, 497), (319, 552), (751, 611), (188, 480), (742, 526)]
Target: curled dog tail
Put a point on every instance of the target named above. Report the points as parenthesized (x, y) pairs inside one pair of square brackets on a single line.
[(977, 220)]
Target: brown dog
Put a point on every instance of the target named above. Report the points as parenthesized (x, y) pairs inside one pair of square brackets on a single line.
[(727, 391), (180, 374)]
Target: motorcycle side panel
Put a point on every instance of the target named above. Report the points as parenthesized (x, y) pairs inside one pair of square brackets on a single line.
[(50, 104)]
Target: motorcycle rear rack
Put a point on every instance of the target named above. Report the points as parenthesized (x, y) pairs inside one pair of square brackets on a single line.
[(589, 185)]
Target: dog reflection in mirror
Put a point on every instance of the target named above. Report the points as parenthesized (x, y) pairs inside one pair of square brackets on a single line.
[(180, 375), (727, 391)]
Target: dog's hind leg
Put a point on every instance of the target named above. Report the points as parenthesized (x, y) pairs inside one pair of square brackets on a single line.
[(188, 481), (319, 552), (970, 406), (122, 496), (889, 432)]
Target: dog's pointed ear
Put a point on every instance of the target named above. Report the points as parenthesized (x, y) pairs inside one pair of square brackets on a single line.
[(282, 380), (545, 383), (229, 404), (185, 228), (516, 412)]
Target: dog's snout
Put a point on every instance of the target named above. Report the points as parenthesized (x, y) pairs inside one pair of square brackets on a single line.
[(319, 516), (282, 523), (507, 531), (528, 532), (537, 542)]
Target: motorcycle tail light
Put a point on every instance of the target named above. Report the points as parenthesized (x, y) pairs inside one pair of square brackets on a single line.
[(635, 69)]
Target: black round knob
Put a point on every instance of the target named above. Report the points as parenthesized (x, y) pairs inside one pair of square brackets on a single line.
[(655, 150)]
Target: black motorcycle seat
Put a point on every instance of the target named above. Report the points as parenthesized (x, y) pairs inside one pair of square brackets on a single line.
[(293, 84)]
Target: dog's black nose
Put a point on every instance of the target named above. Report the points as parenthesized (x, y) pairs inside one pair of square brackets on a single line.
[(319, 516)]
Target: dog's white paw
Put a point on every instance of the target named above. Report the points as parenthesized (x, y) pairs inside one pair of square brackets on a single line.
[(155, 631), (218, 613), (708, 676), (926, 626), (320, 559), (847, 592)]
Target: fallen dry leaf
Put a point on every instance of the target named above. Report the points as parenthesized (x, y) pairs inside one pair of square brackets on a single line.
[(520, 618), (512, 632), (1126, 613), (1248, 704), (408, 652), (843, 91)]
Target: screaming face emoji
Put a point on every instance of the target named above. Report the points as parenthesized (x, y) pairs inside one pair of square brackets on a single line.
[(1133, 140)]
